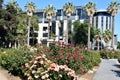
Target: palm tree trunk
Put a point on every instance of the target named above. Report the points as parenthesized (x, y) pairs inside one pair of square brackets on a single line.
[(28, 39), (98, 45), (113, 31), (67, 31), (48, 32), (48, 28), (89, 45)]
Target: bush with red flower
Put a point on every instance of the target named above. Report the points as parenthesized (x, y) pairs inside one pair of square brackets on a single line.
[(77, 58)]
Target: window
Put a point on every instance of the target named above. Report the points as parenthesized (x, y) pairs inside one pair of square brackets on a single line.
[(102, 23), (45, 34), (106, 22), (33, 41), (59, 12), (110, 23), (61, 29), (35, 34), (97, 22), (44, 28)]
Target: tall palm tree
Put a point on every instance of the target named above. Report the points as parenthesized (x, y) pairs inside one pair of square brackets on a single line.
[(90, 8), (113, 8), (97, 37), (30, 6), (107, 35), (49, 13), (69, 9), (13, 10), (1, 2), (13, 3), (21, 27)]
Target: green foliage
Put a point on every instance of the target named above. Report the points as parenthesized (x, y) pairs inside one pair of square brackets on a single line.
[(107, 35), (69, 9), (81, 33), (78, 58), (110, 54), (14, 59), (118, 45)]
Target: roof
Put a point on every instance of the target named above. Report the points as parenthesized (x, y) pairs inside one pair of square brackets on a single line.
[(102, 12)]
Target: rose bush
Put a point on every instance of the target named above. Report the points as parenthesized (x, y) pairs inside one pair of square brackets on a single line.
[(40, 68), (77, 58)]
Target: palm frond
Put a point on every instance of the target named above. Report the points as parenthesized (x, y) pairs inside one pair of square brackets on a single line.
[(69, 9), (90, 8)]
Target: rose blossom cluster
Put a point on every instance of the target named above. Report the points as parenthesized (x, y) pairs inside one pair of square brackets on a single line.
[(42, 68)]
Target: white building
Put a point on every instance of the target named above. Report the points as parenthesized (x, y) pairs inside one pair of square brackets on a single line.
[(58, 24), (101, 20)]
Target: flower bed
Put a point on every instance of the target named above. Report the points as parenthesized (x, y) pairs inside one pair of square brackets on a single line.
[(42, 68), (109, 54), (76, 59)]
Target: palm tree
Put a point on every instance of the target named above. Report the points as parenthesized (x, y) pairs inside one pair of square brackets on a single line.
[(97, 37), (1, 1), (21, 27), (107, 35), (30, 9), (14, 5), (49, 13), (90, 8), (13, 10), (113, 8), (69, 9)]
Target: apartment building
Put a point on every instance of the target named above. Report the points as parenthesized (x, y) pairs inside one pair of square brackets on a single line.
[(101, 20)]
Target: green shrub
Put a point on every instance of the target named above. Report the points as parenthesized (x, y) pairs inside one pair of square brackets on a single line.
[(14, 59), (109, 54), (77, 58)]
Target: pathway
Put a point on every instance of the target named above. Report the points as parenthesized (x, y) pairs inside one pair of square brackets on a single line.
[(109, 70), (3, 77)]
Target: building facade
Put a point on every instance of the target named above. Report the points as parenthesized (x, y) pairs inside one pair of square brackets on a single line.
[(57, 25), (101, 20)]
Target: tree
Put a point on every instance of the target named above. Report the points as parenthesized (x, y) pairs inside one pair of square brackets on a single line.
[(107, 35), (49, 13), (118, 46), (80, 33), (90, 8), (69, 9), (22, 26), (113, 8), (30, 6), (10, 26), (1, 1), (97, 37)]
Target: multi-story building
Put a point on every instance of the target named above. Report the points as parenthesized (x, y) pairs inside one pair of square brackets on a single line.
[(58, 24), (101, 20)]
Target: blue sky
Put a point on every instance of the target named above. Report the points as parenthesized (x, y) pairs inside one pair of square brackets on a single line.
[(100, 4)]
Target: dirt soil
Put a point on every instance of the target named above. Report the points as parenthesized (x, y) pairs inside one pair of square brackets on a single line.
[(9, 76), (89, 76)]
